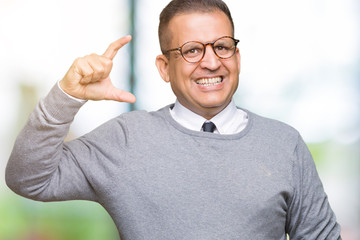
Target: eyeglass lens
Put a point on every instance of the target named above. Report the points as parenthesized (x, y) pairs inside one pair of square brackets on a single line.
[(194, 51)]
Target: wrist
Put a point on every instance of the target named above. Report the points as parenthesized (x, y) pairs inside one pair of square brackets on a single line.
[(77, 99)]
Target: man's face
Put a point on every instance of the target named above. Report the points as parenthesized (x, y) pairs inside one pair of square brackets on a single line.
[(188, 79)]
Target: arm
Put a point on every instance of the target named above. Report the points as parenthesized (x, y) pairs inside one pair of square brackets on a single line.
[(309, 215), (40, 167)]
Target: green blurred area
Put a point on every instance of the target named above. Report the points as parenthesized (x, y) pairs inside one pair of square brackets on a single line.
[(23, 219)]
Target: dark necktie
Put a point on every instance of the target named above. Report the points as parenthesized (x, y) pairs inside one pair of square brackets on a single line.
[(208, 127)]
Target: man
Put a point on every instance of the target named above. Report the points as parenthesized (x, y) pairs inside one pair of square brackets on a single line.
[(163, 174)]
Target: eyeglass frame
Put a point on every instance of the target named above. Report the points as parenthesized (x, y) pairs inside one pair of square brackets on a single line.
[(236, 41)]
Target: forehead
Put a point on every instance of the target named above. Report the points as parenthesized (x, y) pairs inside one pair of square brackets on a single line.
[(199, 26)]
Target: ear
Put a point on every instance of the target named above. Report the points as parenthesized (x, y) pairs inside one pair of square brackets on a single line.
[(162, 64), (238, 56)]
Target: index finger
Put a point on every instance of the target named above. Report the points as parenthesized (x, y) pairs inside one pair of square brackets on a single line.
[(114, 47)]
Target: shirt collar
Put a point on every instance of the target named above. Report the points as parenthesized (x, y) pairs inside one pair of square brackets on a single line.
[(224, 121), (186, 117)]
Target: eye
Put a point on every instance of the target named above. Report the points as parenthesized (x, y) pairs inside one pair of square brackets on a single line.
[(192, 51), (222, 48)]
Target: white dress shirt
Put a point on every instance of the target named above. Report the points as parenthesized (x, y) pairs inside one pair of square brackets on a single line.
[(230, 120)]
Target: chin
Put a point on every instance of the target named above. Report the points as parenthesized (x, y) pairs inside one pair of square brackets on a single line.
[(215, 102), (214, 105)]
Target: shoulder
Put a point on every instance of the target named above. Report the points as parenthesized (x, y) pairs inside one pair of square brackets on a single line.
[(142, 116), (127, 125), (141, 119), (271, 124), (271, 130)]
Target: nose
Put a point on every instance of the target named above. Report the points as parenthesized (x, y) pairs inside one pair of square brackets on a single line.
[(210, 60)]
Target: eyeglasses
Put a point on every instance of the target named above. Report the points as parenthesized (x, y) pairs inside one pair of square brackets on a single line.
[(194, 51)]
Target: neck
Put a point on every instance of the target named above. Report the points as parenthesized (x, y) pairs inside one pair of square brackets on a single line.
[(207, 112)]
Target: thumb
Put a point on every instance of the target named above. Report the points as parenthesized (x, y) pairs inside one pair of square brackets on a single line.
[(120, 95)]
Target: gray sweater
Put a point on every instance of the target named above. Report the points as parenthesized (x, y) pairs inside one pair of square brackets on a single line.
[(159, 180)]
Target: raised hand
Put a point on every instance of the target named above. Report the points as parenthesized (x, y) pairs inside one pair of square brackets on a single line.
[(88, 77)]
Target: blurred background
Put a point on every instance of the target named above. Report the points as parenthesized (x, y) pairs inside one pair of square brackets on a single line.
[(300, 65)]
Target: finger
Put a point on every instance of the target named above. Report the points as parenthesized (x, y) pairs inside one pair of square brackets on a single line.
[(101, 67), (114, 47), (84, 70), (107, 66), (121, 96)]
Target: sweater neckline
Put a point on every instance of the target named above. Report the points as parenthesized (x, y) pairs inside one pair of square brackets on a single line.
[(166, 114)]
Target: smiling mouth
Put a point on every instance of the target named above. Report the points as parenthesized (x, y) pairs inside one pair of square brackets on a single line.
[(209, 81)]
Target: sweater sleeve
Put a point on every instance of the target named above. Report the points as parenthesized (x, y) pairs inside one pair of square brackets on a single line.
[(39, 166), (309, 214)]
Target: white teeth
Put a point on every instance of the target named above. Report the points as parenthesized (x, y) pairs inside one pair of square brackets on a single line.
[(209, 81)]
